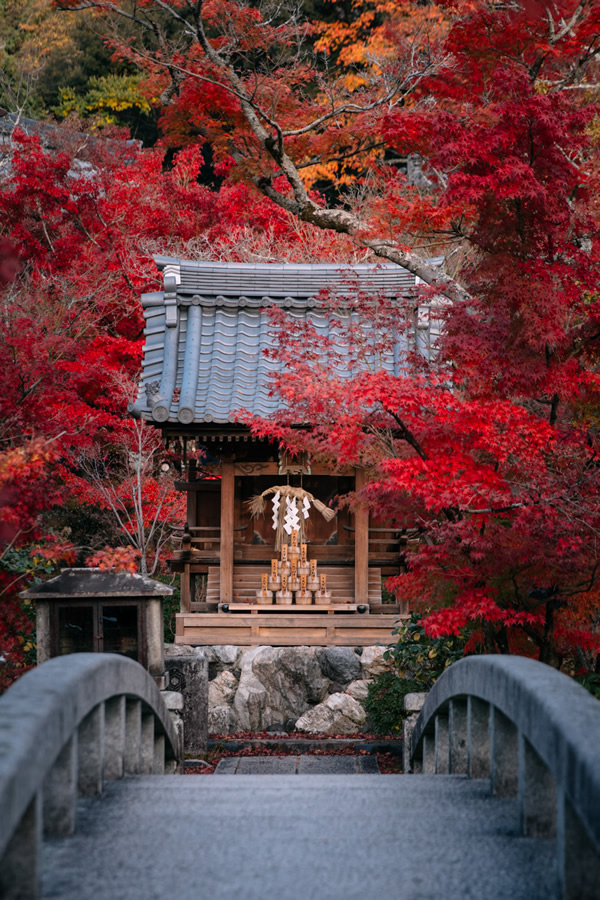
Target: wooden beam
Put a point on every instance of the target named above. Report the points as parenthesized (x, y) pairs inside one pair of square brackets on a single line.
[(361, 544), (263, 468), (227, 521), (317, 630), (276, 609)]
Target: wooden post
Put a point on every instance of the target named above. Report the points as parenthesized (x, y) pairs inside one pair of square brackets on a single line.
[(227, 517), (361, 545), (191, 514), (187, 594), (186, 589)]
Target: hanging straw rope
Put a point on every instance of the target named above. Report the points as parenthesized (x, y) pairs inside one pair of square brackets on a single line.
[(257, 504)]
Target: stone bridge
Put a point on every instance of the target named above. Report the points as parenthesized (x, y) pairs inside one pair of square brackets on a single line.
[(504, 802)]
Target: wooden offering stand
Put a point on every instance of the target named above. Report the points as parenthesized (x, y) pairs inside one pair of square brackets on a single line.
[(303, 596), (293, 583), (285, 563), (323, 596), (294, 550), (303, 566), (264, 596), (284, 596), (313, 580), (274, 582), (295, 580)]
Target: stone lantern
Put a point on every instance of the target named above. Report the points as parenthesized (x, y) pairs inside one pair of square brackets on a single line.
[(98, 611)]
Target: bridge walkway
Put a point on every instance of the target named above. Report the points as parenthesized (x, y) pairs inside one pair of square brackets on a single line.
[(310, 837)]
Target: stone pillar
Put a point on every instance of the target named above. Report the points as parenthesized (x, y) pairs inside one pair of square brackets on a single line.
[(442, 745), (154, 635), (158, 764), (114, 738), (478, 738), (537, 793), (459, 737), (428, 741), (413, 704), (42, 631), (578, 860), (188, 675), (133, 736), (60, 792), (90, 752), (20, 869), (147, 744), (174, 702), (504, 757)]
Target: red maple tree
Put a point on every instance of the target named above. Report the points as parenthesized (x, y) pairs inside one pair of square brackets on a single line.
[(490, 447), (81, 225)]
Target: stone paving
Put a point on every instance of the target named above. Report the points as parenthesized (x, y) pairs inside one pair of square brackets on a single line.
[(298, 765), (342, 837)]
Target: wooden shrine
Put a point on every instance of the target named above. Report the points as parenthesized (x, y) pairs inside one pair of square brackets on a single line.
[(241, 581)]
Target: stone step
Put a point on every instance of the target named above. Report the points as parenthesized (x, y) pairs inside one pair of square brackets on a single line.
[(301, 745), (298, 765), (343, 837)]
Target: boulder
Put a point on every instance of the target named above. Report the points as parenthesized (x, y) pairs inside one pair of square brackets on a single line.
[(251, 701), (227, 655), (293, 674), (277, 684), (178, 650), (372, 661), (221, 690), (340, 664), (338, 714), (358, 689), (222, 720), (220, 658)]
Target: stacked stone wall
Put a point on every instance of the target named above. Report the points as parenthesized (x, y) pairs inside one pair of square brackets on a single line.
[(309, 689)]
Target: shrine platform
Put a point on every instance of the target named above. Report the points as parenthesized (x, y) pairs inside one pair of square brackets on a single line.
[(343, 622), (286, 627)]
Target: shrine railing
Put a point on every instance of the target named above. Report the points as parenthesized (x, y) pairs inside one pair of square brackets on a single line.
[(535, 733), (65, 728)]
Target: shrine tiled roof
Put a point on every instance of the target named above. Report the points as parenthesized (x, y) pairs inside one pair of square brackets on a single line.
[(208, 330)]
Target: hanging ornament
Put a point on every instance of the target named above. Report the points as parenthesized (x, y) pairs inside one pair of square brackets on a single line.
[(288, 493), (292, 520), (305, 507), (276, 505)]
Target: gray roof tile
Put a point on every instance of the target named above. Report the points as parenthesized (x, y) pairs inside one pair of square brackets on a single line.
[(212, 362)]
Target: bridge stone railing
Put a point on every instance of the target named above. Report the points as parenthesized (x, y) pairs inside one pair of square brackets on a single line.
[(535, 733), (65, 728)]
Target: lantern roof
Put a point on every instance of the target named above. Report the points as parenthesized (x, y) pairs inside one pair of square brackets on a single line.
[(96, 583)]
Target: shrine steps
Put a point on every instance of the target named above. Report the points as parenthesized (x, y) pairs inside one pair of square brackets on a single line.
[(340, 581), (340, 837)]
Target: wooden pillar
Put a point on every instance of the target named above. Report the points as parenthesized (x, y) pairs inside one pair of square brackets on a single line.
[(187, 593), (227, 517), (361, 544), (186, 589), (192, 495)]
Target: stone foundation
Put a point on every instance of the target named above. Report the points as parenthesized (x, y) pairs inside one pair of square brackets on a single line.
[(310, 689)]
